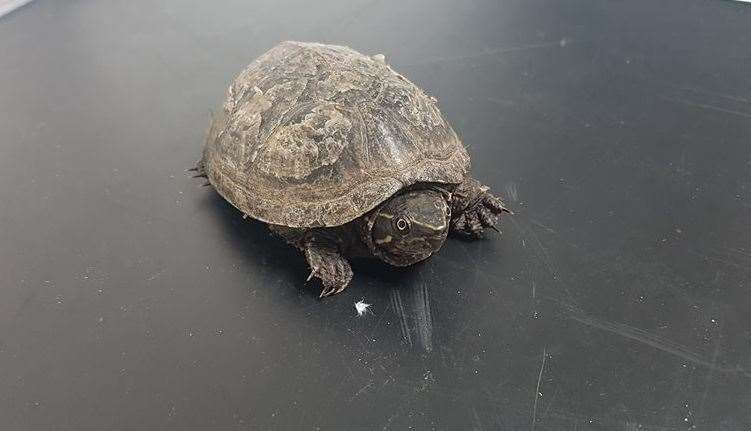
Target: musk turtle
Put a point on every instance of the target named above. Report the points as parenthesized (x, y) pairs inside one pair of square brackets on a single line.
[(343, 157)]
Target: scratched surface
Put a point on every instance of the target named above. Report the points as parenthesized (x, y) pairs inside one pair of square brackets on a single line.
[(617, 298)]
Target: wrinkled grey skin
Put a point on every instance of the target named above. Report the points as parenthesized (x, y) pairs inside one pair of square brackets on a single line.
[(343, 157)]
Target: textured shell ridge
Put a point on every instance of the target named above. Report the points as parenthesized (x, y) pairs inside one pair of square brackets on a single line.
[(317, 135)]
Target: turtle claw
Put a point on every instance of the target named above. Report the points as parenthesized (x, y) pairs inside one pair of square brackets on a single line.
[(199, 169), (483, 214), (199, 173), (496, 204), (331, 290), (328, 265)]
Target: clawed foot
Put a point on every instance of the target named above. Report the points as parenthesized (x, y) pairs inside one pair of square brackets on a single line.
[(483, 214), (327, 264)]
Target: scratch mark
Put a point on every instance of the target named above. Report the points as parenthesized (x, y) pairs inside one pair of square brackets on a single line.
[(714, 93), (545, 257), (349, 371), (743, 254), (391, 419), (549, 404), (396, 300), (705, 106), (476, 422), (361, 390), (424, 317), (501, 102), (537, 390), (654, 341), (155, 275), (491, 52), (708, 380), (537, 223), (512, 192), (718, 259)]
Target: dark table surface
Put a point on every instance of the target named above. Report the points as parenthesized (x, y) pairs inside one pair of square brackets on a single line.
[(617, 297)]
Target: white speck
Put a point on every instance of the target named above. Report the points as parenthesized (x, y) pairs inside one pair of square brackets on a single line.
[(361, 307)]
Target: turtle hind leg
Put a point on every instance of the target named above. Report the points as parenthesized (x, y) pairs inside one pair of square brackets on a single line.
[(199, 172), (199, 169), (475, 209), (322, 249), (327, 264)]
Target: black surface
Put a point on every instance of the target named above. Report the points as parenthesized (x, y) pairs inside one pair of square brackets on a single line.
[(131, 298)]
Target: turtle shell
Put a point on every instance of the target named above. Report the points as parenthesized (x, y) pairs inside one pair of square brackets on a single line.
[(314, 135)]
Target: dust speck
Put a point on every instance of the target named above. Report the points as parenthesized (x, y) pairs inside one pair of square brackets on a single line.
[(361, 307)]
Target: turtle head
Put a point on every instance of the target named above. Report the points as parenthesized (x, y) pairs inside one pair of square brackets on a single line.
[(409, 227)]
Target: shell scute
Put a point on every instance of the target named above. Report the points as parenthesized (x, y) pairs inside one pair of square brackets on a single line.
[(317, 135)]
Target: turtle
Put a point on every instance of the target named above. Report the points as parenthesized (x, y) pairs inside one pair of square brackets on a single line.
[(343, 157)]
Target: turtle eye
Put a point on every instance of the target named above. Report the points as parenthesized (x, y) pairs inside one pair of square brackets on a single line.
[(402, 224)]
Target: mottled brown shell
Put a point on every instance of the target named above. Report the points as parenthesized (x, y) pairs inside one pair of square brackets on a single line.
[(317, 135)]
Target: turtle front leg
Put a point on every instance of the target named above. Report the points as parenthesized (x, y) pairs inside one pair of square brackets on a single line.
[(328, 264), (474, 209)]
